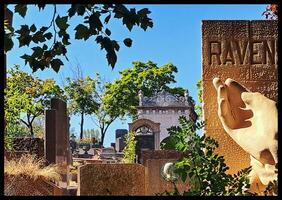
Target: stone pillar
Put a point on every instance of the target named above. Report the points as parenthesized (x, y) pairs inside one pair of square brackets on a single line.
[(57, 148), (50, 136), (245, 51)]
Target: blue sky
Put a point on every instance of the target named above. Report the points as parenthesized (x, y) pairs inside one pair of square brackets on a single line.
[(175, 38)]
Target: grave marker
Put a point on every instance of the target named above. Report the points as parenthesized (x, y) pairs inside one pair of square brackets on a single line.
[(245, 51)]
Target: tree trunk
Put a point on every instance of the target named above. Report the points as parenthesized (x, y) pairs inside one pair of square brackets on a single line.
[(30, 125), (31, 130), (102, 136), (81, 125)]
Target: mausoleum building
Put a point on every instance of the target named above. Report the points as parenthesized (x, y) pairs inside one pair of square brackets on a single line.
[(158, 113)]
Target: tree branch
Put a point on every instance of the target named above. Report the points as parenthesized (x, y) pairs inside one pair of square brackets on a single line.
[(25, 122)]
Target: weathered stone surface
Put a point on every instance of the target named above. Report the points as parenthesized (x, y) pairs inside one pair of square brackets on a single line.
[(27, 144), (159, 154), (243, 73), (224, 28), (154, 181), (264, 28), (259, 73), (111, 179), (24, 186), (245, 51)]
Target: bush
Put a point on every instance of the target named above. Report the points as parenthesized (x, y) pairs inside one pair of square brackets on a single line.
[(203, 168), (129, 149), (30, 166), (85, 141)]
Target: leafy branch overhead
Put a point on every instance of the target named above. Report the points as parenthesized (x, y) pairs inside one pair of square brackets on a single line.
[(51, 41)]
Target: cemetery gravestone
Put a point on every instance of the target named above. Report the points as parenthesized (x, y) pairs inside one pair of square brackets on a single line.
[(245, 51), (57, 147), (111, 179)]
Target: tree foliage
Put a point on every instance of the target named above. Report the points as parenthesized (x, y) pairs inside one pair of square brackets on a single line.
[(129, 149), (121, 96), (26, 95), (199, 108), (81, 95), (202, 167), (94, 21), (92, 133)]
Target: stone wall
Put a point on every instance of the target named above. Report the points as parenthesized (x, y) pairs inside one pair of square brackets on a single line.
[(111, 179), (245, 51)]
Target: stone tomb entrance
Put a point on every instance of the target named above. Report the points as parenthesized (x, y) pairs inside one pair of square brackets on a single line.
[(146, 132)]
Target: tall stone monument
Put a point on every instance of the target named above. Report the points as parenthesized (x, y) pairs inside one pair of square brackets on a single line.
[(245, 51), (57, 148)]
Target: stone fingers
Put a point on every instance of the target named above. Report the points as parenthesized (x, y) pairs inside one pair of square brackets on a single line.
[(224, 109)]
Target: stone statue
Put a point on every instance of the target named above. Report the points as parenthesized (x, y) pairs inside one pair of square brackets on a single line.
[(251, 120), (140, 94)]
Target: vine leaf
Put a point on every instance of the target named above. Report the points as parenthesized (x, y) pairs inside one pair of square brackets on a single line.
[(21, 9), (127, 42)]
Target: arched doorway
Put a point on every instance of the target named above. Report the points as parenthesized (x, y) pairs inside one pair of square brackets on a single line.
[(147, 134)]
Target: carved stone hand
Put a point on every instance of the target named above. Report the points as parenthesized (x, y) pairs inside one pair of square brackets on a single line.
[(251, 119)]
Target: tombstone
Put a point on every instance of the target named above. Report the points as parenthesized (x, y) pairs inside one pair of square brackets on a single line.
[(57, 147), (121, 133), (245, 51)]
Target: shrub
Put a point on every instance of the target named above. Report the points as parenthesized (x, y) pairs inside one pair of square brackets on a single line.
[(129, 149), (30, 166), (203, 168), (85, 141)]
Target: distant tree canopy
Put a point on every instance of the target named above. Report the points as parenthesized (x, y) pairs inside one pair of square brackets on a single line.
[(121, 96), (81, 98), (27, 95), (94, 22)]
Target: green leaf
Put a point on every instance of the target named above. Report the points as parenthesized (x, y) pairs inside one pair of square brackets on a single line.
[(41, 6), (127, 42), (183, 177), (37, 52), (26, 57), (56, 64), (112, 58), (72, 10), (48, 35), (8, 43), (107, 19), (108, 32), (62, 22), (45, 47), (80, 10), (21, 9), (43, 28), (38, 37), (65, 39), (94, 22), (33, 28), (82, 32)]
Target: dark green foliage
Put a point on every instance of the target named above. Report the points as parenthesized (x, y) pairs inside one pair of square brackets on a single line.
[(94, 23), (199, 108), (202, 167)]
